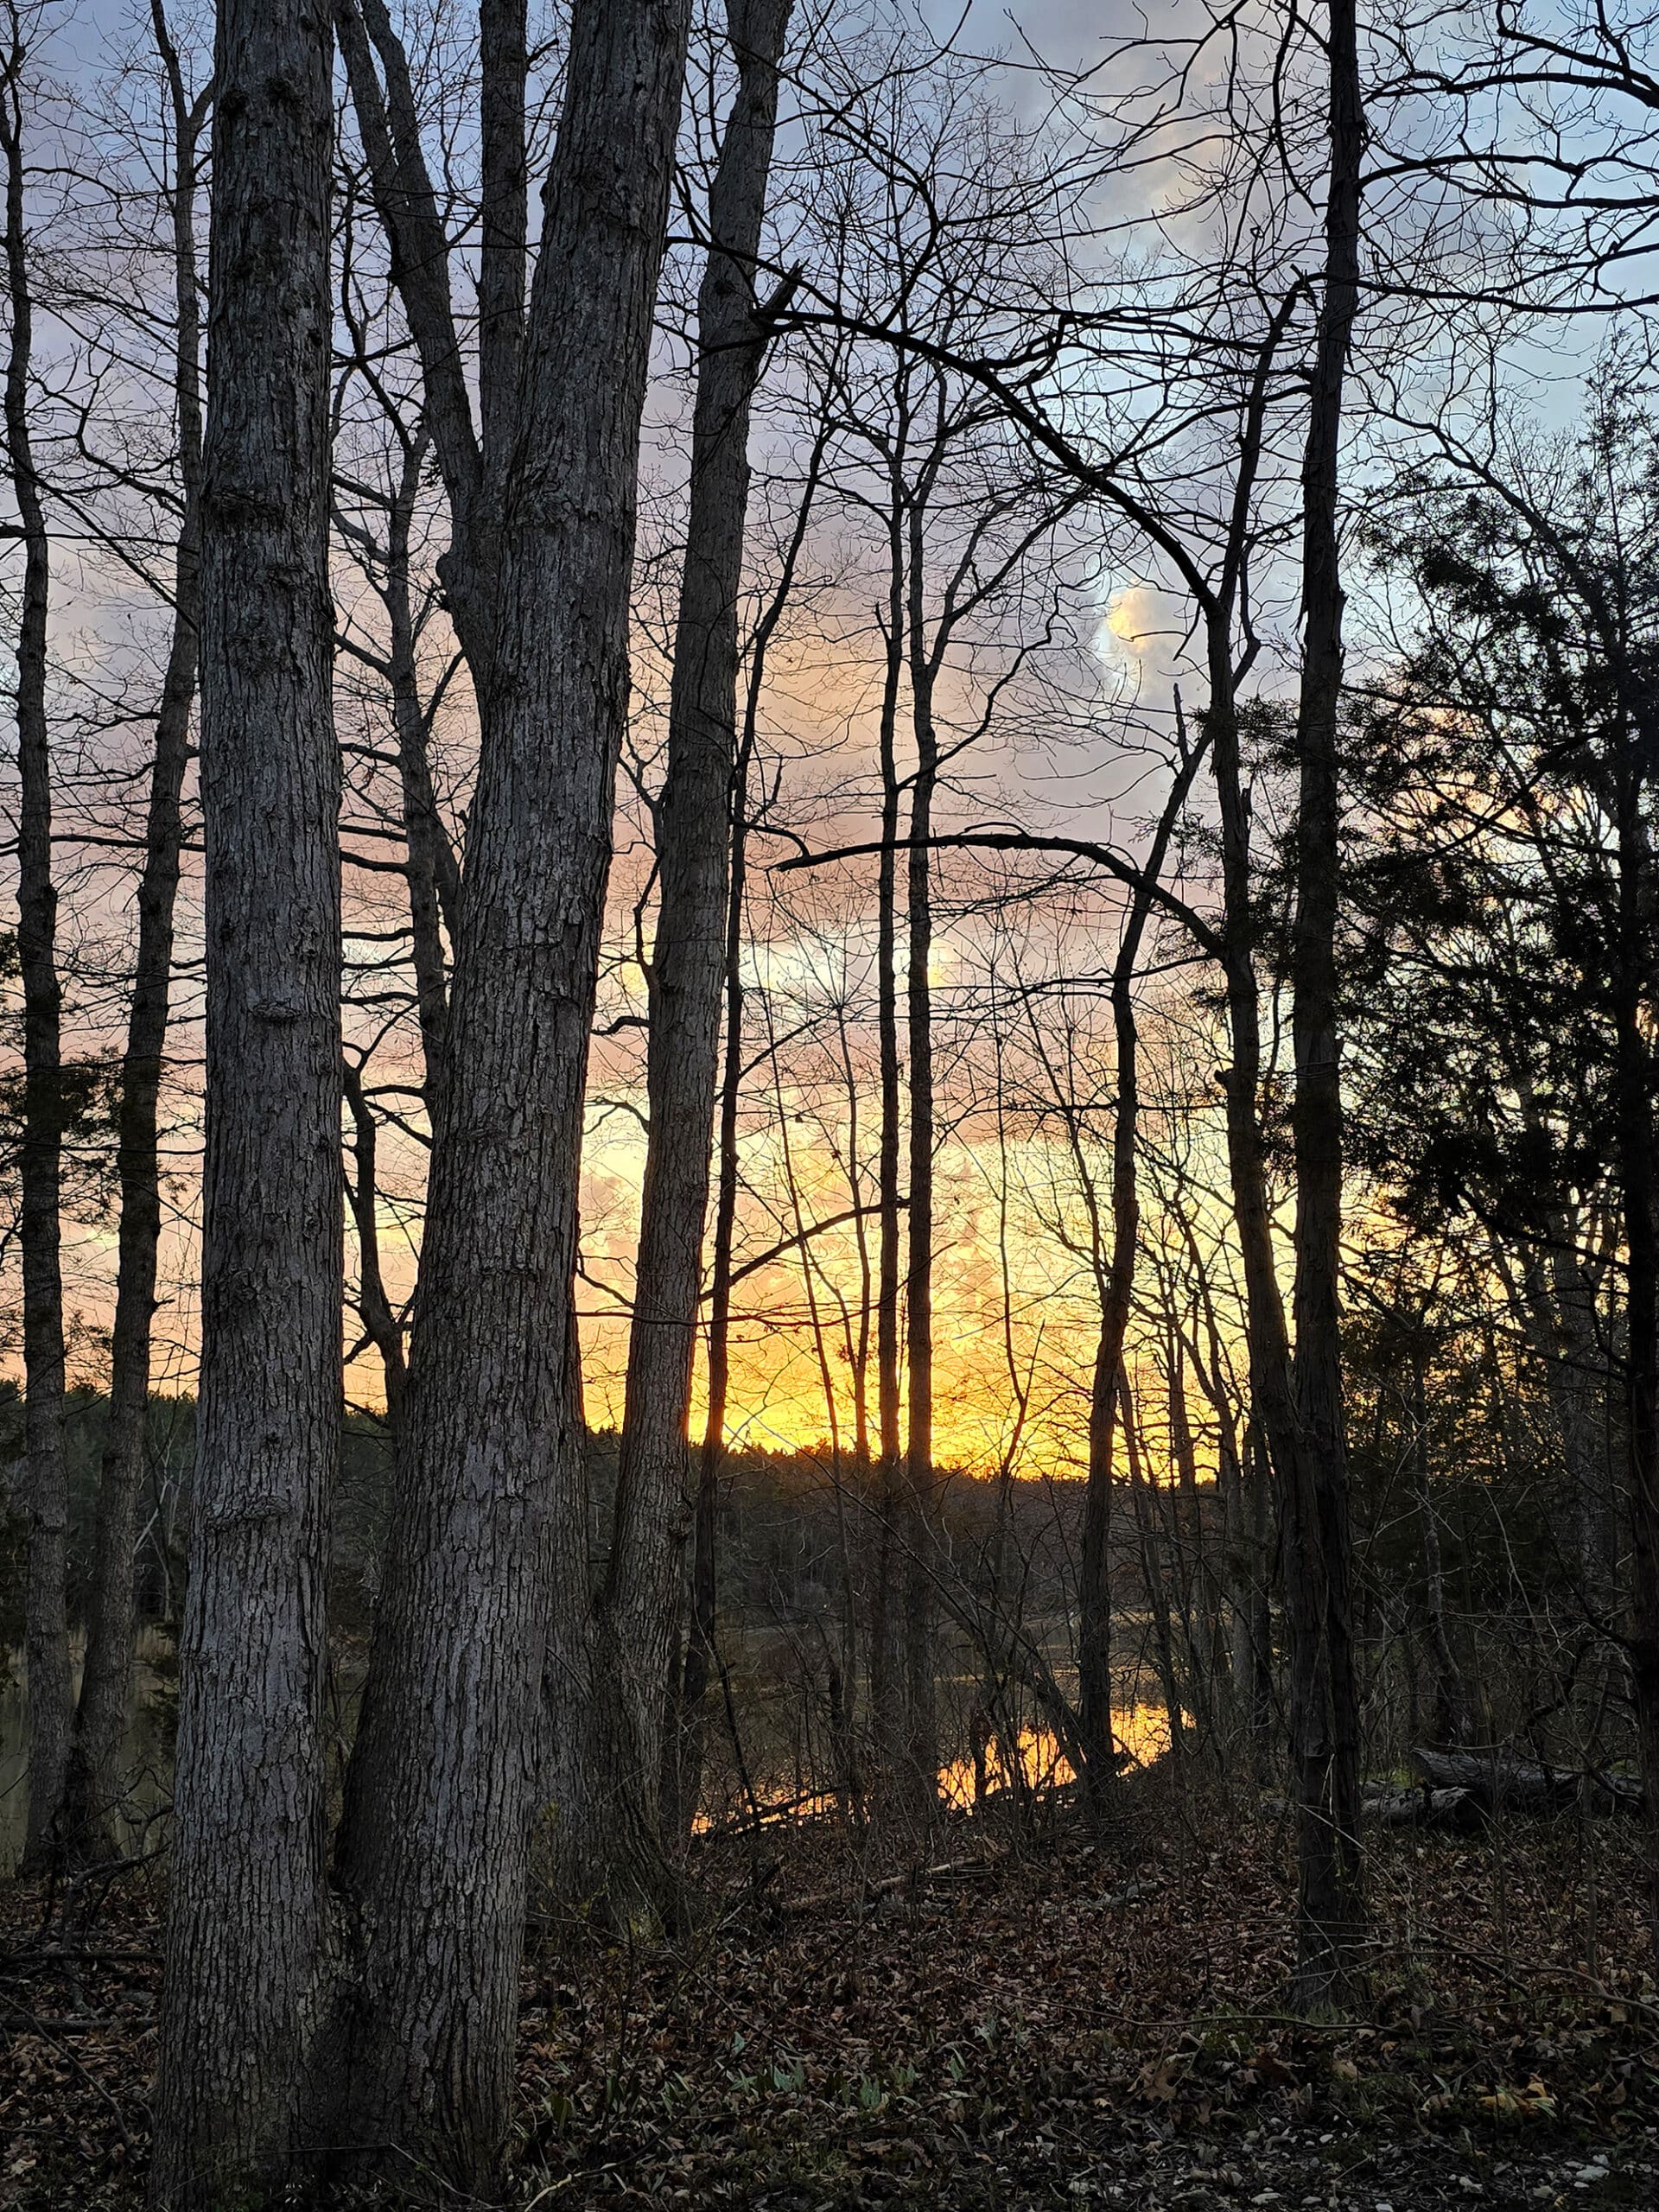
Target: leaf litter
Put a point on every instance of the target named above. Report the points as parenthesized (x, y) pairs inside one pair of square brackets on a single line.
[(1050, 2023)]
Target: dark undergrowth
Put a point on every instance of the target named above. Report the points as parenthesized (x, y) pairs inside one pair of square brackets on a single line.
[(1051, 2024)]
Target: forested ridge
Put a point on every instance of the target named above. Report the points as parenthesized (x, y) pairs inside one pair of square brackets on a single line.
[(828, 1098)]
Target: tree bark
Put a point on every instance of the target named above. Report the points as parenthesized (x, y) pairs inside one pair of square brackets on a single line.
[(46, 1626), (690, 954), (1634, 1097), (93, 1784), (1324, 1695), (245, 1926), (441, 1791)]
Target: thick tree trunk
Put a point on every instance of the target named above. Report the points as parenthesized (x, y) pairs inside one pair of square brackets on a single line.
[(441, 1791), (1324, 1695), (93, 1785), (46, 1628), (690, 956), (245, 1924)]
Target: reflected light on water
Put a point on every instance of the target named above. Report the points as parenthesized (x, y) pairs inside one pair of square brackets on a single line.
[(1142, 1734)]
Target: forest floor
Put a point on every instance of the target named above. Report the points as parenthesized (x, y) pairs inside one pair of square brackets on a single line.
[(1058, 2026)]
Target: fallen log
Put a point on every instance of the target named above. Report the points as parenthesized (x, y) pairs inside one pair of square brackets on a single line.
[(1392, 1806), (1453, 1808), (1500, 1783)]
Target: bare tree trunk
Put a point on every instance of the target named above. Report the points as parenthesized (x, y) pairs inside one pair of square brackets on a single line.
[(642, 1600), (917, 1776), (1273, 1435), (1324, 1694), (93, 1784), (1196, 1582), (1117, 1303), (887, 1659), (701, 1657), (363, 1191), (245, 1925), (1229, 1584), (45, 1627), (1152, 1535), (434, 878), (684, 1777), (1267, 1574), (441, 1791), (1108, 1402), (1634, 1097)]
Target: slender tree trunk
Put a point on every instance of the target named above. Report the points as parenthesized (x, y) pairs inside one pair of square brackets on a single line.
[(1195, 1581), (1095, 1576), (858, 1349), (434, 878), (1273, 1438), (245, 1924), (1106, 1400), (685, 1778), (887, 1659), (1227, 1584), (95, 1782), (362, 1191), (917, 1778), (1275, 1446), (641, 1609), (1634, 1078), (701, 1657), (1239, 1573), (1152, 1536), (1324, 1693), (45, 1627), (485, 1559), (1117, 1302), (1261, 1587)]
